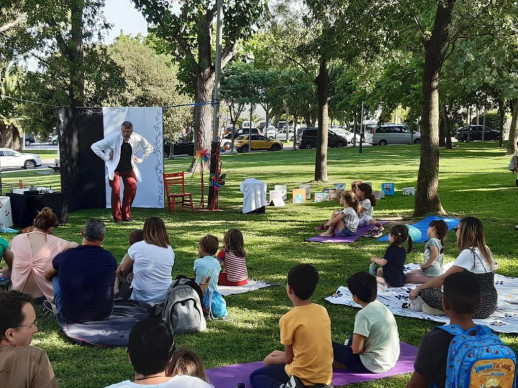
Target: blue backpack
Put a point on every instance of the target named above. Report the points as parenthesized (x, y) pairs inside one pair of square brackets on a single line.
[(478, 358)]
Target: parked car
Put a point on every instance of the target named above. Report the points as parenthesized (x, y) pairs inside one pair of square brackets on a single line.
[(259, 142), (182, 146), (10, 158), (281, 134), (246, 125), (281, 124), (54, 140), (475, 133), (29, 139), (347, 134), (242, 132), (270, 132), (394, 134), (308, 139)]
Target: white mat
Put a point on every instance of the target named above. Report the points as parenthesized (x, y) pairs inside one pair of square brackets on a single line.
[(251, 286), (503, 320)]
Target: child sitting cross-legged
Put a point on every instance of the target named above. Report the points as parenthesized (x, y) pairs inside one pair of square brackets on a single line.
[(207, 266), (305, 332), (345, 220), (374, 345), (390, 269)]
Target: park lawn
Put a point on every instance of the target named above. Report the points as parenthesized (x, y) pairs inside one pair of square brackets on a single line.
[(474, 180)]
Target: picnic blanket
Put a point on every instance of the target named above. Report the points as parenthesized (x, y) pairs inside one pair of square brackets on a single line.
[(423, 227), (229, 376), (251, 286), (337, 239), (110, 332), (503, 320)]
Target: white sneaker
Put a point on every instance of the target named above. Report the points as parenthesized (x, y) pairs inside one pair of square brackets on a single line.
[(431, 311)]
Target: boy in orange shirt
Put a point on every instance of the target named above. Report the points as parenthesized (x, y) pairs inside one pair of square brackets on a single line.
[(306, 335)]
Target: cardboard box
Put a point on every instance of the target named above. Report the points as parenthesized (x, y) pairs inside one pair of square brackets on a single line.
[(388, 188), (319, 197), (299, 196), (408, 191), (276, 198), (283, 189), (308, 190)]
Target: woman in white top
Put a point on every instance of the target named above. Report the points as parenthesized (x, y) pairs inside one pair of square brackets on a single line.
[(475, 257), (152, 262)]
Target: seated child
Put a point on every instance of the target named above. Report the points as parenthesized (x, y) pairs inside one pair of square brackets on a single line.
[(433, 254), (345, 220), (232, 260), (124, 289), (207, 265), (367, 203), (305, 332), (6, 253), (460, 299), (185, 362), (374, 345), (393, 261)]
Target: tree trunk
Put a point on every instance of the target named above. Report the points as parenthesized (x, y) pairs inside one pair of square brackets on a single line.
[(322, 82), (295, 120), (501, 113), (427, 194), (447, 127), (76, 87), (442, 129), (203, 113), (513, 132)]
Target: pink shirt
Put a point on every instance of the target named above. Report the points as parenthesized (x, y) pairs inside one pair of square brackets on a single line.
[(27, 274)]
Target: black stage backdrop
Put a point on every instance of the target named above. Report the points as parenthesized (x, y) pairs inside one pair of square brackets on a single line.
[(82, 172)]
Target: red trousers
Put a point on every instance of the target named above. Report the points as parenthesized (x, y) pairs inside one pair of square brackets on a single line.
[(130, 189)]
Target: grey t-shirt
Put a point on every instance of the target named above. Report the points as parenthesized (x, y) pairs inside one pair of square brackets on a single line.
[(350, 218), (436, 268)]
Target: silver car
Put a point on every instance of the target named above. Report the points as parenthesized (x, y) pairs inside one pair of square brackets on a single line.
[(395, 134), (10, 158)]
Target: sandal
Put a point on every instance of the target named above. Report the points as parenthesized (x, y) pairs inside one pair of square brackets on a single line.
[(321, 227)]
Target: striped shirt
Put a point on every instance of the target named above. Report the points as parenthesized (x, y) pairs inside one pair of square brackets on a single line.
[(235, 266)]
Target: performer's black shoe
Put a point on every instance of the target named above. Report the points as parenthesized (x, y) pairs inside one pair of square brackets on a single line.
[(117, 221), (129, 220)]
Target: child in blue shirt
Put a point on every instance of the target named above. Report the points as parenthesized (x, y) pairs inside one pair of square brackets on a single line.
[(207, 265)]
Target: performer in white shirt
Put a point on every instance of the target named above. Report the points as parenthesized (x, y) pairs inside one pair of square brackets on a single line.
[(119, 152)]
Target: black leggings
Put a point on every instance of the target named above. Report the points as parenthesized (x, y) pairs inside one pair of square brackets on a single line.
[(488, 296)]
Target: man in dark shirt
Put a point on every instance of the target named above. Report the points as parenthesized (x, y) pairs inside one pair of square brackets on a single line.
[(83, 286), (460, 299), (119, 152)]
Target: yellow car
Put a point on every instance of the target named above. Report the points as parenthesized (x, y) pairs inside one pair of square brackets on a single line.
[(259, 142)]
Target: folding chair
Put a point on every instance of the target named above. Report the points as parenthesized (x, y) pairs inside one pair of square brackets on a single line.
[(176, 179)]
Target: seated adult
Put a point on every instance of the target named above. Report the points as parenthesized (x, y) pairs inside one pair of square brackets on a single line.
[(152, 261), (33, 252), (475, 257), (149, 350), (83, 277), (21, 365)]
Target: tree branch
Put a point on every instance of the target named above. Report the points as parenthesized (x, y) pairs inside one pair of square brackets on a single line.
[(20, 19)]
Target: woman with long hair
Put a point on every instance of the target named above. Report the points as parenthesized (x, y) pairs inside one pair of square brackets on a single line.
[(152, 262), (33, 252), (475, 257)]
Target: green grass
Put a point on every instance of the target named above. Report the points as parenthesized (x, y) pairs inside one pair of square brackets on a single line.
[(473, 181)]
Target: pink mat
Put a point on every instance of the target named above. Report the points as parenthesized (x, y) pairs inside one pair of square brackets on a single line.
[(337, 239), (229, 376)]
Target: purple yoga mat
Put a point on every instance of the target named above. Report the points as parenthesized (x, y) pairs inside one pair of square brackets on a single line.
[(229, 376), (337, 239)]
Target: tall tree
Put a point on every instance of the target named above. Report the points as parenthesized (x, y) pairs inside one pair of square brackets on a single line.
[(186, 29)]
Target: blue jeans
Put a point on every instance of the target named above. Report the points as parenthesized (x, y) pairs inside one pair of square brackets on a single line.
[(57, 293), (345, 356), (271, 376)]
